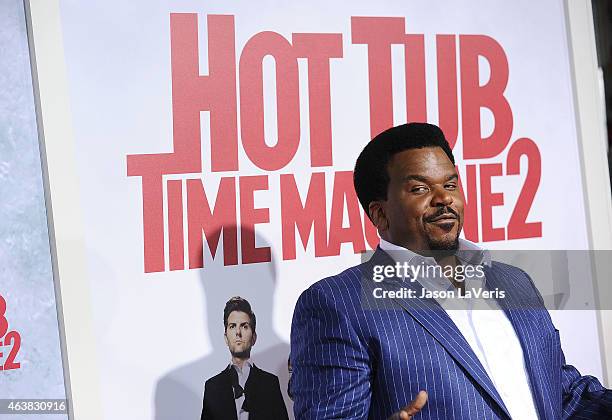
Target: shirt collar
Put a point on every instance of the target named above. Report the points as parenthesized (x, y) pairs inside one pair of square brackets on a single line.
[(246, 365), (468, 253)]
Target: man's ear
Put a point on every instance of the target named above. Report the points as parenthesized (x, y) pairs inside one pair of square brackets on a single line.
[(254, 339), (377, 214), (225, 338)]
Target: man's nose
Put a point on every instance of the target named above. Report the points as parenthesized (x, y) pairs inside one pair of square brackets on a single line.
[(238, 332), (441, 197)]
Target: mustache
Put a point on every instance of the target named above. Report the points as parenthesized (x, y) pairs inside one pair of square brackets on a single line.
[(440, 212)]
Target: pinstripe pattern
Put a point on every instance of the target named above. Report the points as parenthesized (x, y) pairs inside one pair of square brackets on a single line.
[(355, 357)]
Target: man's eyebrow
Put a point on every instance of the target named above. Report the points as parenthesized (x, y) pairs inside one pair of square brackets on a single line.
[(425, 179)]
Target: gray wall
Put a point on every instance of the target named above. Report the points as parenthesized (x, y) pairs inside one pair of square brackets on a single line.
[(26, 279)]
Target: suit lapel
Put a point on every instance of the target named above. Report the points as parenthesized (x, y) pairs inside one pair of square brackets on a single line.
[(251, 388), (228, 402), (433, 318), (251, 382)]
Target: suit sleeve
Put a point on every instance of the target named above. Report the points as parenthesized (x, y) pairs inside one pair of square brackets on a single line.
[(331, 366), (206, 415), (583, 397), (278, 402)]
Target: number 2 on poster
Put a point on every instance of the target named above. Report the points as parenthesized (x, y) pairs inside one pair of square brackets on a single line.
[(12, 340)]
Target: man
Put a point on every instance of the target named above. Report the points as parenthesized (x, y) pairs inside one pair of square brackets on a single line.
[(357, 355), (242, 391)]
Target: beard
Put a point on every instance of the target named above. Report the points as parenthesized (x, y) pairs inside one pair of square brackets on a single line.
[(244, 354), (443, 247), (444, 244)]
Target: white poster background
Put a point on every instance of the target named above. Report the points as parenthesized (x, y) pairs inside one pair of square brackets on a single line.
[(159, 335)]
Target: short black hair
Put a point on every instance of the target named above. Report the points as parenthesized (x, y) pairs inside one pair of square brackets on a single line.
[(239, 304), (371, 178)]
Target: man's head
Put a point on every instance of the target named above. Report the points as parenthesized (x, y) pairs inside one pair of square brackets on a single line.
[(239, 323), (407, 183)]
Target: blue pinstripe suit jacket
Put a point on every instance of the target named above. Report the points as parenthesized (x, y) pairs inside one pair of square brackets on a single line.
[(355, 357)]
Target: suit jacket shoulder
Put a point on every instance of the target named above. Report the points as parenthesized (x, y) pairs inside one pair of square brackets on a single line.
[(347, 281), (218, 402), (518, 283), (219, 378), (263, 376)]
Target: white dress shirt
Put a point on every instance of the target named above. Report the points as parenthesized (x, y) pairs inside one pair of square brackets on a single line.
[(243, 375), (484, 325)]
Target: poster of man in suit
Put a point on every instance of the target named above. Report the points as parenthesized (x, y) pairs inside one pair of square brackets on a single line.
[(242, 391)]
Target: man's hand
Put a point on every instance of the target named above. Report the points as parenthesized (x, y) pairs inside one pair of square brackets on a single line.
[(411, 409)]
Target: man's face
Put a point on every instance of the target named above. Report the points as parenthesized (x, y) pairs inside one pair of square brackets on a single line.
[(424, 207), (239, 334)]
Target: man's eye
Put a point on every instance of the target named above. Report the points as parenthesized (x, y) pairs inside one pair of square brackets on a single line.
[(451, 186), (419, 189)]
